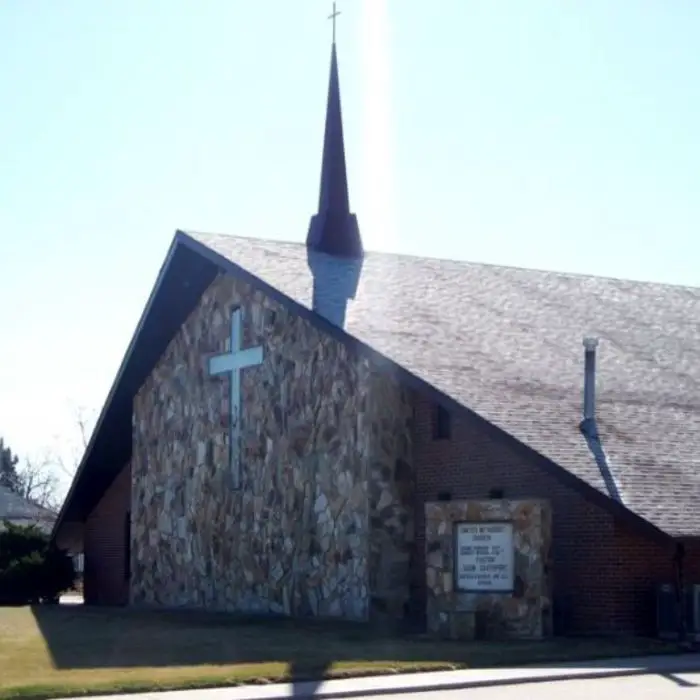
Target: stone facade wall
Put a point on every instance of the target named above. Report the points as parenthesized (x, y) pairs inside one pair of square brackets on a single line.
[(523, 613), (391, 499), (295, 538)]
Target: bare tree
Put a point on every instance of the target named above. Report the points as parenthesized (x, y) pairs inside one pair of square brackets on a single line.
[(84, 421), (38, 482), (39, 478)]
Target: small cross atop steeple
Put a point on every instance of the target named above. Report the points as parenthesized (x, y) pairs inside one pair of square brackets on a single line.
[(333, 17)]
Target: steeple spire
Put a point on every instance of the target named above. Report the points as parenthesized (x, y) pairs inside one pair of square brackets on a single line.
[(333, 230)]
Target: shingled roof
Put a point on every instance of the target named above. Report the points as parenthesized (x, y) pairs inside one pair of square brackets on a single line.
[(20, 511), (507, 343)]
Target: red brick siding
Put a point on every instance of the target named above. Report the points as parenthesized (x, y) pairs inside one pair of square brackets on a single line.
[(692, 562), (105, 545), (602, 574), (640, 566)]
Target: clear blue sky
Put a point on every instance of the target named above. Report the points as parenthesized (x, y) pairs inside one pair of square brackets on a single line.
[(559, 135)]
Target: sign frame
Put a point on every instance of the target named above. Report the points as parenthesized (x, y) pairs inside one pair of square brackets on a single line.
[(455, 543)]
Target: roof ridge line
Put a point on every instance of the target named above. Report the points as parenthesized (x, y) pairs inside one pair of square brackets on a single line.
[(460, 261)]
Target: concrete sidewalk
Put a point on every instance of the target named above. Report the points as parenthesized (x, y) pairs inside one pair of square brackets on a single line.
[(437, 681)]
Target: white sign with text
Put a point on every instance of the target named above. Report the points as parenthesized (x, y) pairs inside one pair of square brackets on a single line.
[(484, 557)]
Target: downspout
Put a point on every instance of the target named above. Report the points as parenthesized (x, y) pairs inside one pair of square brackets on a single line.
[(678, 561)]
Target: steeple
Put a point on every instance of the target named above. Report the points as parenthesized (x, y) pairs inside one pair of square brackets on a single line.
[(333, 230)]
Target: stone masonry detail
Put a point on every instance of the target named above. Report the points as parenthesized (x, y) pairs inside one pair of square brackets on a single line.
[(523, 614), (318, 426), (391, 499)]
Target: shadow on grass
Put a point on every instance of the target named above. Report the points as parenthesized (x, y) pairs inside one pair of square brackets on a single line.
[(92, 637), (302, 652)]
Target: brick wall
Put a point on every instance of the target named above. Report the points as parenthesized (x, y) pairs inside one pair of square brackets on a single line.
[(638, 568), (105, 545), (692, 561), (603, 573)]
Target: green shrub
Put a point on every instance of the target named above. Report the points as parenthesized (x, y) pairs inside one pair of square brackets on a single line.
[(19, 541), (32, 569)]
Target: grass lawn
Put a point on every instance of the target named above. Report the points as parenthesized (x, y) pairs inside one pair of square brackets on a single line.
[(71, 650)]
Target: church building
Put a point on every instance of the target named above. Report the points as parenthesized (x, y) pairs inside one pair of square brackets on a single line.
[(286, 410)]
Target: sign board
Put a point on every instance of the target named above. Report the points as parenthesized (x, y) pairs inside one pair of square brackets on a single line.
[(484, 560)]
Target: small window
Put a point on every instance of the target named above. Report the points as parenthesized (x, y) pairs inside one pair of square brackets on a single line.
[(441, 424)]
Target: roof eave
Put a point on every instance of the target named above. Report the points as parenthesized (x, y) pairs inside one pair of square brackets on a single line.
[(162, 273)]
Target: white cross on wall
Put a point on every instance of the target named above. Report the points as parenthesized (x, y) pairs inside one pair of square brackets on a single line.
[(232, 363)]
